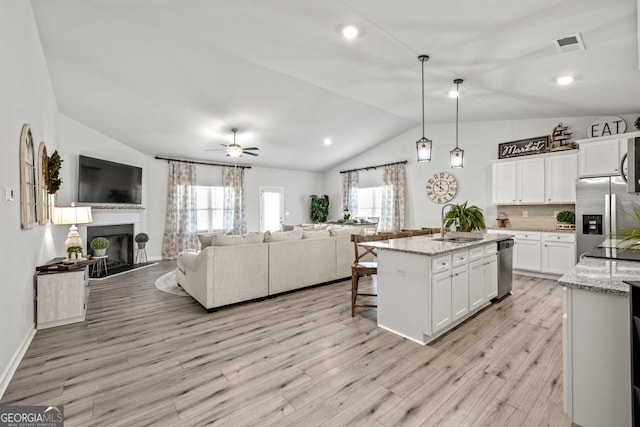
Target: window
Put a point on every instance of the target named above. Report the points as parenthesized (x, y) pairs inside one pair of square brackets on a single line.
[(369, 202), (28, 179), (210, 209)]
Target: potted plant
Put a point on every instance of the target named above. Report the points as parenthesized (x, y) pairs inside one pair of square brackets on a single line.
[(637, 123), (99, 246), (466, 217), (631, 236), (319, 208), (566, 220), (141, 239), (52, 174)]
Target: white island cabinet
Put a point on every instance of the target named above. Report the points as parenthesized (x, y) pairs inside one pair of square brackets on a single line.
[(426, 286)]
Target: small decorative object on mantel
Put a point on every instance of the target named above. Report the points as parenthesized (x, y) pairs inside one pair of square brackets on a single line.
[(606, 126), (141, 239), (637, 123), (566, 220), (502, 220), (523, 147), (561, 138)]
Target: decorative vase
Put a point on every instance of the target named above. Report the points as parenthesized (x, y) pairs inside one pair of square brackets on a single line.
[(99, 252), (142, 245)]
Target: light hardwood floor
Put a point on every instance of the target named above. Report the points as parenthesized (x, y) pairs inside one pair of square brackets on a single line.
[(144, 357)]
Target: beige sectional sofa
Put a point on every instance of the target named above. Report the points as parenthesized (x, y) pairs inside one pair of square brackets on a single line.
[(232, 269)]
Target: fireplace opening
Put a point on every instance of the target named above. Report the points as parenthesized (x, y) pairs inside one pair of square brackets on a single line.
[(120, 253)]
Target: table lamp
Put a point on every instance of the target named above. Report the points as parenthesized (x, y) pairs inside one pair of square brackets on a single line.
[(73, 215)]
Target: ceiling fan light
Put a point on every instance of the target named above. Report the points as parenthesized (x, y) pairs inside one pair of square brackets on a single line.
[(423, 148), (234, 150), (457, 158)]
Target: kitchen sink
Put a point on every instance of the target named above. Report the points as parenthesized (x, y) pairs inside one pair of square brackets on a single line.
[(459, 239)]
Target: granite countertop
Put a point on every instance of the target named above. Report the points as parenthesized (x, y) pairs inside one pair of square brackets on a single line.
[(427, 245), (541, 229), (602, 275)]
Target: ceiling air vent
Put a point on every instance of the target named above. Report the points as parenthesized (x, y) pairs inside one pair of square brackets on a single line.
[(569, 44)]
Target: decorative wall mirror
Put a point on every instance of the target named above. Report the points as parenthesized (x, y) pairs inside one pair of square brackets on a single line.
[(28, 179), (43, 205)]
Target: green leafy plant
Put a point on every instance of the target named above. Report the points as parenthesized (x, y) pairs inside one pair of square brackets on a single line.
[(99, 243), (319, 208), (467, 217), (631, 236), (52, 174), (566, 217), (74, 252), (141, 238), (637, 123)]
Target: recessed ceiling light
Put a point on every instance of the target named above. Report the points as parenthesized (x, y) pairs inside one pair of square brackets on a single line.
[(327, 141), (564, 80), (350, 32), (453, 94)]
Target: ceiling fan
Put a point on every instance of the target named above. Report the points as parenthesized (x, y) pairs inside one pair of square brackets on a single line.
[(235, 149)]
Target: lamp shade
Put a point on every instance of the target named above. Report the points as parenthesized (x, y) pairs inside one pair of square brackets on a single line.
[(72, 215), (423, 148)]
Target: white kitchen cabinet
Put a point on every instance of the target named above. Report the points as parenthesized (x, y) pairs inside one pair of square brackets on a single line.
[(526, 251), (596, 358), (518, 181), (504, 183), (561, 173), (459, 292), (490, 277), (600, 157), (440, 300), (61, 297), (476, 284), (558, 252)]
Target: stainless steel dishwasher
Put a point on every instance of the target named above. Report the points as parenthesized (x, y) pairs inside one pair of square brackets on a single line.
[(505, 267)]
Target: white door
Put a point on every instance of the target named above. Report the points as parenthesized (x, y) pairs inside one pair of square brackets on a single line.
[(490, 282), (271, 208), (459, 292), (526, 255), (504, 183), (561, 173), (599, 158), (440, 300), (476, 284), (558, 257), (530, 181)]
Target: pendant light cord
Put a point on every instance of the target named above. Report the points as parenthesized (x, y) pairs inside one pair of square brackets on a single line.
[(457, 99), (422, 98)]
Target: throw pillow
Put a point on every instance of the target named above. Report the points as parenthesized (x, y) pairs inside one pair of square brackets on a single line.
[(205, 239), (317, 234), (236, 239), (281, 236)]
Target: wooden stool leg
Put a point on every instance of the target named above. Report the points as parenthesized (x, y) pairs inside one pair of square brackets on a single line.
[(354, 292)]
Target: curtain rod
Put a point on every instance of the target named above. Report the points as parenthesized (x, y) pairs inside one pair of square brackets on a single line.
[(404, 162), (198, 162)]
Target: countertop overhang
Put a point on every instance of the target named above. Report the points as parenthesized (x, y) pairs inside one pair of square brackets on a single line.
[(427, 245), (602, 275)]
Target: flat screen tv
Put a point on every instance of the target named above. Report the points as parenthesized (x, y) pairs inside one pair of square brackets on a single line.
[(102, 181)]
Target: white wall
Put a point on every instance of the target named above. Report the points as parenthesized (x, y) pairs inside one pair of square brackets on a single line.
[(479, 140), (27, 97)]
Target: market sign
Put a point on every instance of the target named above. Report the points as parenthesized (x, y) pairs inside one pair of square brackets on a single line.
[(606, 126), (523, 147)]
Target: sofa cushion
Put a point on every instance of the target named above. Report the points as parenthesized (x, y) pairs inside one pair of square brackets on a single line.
[(342, 231), (236, 239), (316, 234), (281, 236), (205, 239)]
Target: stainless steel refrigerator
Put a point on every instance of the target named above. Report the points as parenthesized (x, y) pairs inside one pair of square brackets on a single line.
[(603, 208)]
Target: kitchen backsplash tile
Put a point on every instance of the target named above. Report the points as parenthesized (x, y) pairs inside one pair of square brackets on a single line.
[(538, 216)]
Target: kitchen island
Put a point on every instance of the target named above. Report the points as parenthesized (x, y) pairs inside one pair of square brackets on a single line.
[(427, 285), (596, 342)]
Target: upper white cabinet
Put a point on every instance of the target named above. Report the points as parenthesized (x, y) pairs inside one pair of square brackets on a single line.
[(537, 179), (518, 181), (560, 177), (601, 157)]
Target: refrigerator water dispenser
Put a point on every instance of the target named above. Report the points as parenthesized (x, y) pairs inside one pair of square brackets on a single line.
[(591, 224)]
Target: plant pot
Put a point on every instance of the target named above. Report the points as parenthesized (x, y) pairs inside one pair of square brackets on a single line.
[(142, 245), (99, 252)]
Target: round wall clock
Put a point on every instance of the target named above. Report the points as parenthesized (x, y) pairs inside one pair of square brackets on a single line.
[(442, 186)]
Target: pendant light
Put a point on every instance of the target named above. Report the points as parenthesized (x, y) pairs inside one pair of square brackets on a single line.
[(457, 154), (423, 145)]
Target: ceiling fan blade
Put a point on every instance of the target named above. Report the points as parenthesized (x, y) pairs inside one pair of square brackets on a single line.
[(250, 153), (250, 148)]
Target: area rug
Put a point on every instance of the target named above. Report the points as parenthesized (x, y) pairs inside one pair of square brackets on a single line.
[(167, 283)]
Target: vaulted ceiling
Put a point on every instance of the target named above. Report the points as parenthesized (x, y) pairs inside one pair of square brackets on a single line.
[(172, 77)]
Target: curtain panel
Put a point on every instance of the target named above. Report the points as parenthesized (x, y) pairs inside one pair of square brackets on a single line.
[(234, 219), (350, 192), (180, 229), (393, 197)]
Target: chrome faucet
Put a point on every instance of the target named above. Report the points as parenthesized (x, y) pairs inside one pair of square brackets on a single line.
[(442, 219)]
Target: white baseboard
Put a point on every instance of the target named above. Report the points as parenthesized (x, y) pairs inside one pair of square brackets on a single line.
[(155, 258), (15, 361)]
